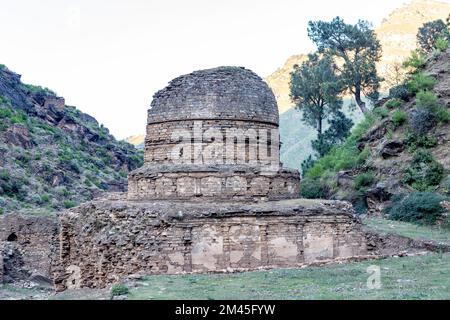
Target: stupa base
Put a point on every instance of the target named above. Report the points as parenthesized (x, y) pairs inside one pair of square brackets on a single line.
[(107, 240)]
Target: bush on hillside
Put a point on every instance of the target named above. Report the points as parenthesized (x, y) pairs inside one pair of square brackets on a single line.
[(416, 141), (394, 103), (420, 81), (429, 34), (415, 61), (417, 207), (381, 112), (313, 189), (427, 100), (422, 120), (442, 115), (424, 171), (399, 117), (365, 179), (345, 156), (400, 92), (442, 44), (119, 290), (69, 204)]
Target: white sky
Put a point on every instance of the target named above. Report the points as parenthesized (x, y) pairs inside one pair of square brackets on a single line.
[(108, 57)]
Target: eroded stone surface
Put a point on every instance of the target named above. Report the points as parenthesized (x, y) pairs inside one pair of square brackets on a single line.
[(26, 247), (107, 240)]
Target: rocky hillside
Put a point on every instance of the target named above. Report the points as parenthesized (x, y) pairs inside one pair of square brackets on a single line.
[(52, 155), (403, 147), (397, 34)]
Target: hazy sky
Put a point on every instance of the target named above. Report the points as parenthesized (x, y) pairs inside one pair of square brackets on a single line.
[(108, 57)]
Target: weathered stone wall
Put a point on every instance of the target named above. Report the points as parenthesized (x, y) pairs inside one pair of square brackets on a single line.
[(104, 241), (162, 138), (29, 240), (214, 182)]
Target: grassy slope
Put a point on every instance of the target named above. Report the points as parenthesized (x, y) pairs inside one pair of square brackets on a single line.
[(419, 277), (409, 230)]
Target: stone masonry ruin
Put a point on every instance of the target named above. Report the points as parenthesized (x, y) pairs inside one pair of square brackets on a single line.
[(212, 195)]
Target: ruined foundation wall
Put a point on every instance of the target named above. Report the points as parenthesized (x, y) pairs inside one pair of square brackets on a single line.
[(29, 240), (103, 242)]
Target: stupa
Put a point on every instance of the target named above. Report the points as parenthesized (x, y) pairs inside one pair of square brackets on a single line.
[(212, 195)]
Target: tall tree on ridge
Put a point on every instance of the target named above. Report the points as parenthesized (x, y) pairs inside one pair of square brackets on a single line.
[(316, 90), (356, 50)]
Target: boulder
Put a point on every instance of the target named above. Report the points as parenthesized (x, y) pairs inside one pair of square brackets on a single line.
[(19, 135), (392, 149), (376, 133)]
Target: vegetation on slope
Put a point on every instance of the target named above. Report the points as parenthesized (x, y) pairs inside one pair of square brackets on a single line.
[(54, 157), (397, 159)]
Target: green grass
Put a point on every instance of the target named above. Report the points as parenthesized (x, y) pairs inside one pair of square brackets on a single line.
[(419, 277), (410, 230)]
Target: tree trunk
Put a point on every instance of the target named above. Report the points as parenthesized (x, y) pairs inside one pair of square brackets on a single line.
[(361, 104)]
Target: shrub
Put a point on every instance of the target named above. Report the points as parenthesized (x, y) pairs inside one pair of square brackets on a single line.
[(4, 175), (381, 112), (45, 198), (364, 180), (427, 100), (442, 115), (2, 211), (74, 166), (12, 187), (119, 290), (422, 120), (416, 141), (69, 204), (417, 207), (399, 117), (442, 44), (394, 103), (400, 92), (419, 82), (415, 61), (313, 189), (424, 171), (19, 117), (5, 113)]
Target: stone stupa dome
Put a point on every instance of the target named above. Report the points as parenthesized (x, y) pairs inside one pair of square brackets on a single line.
[(233, 93)]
